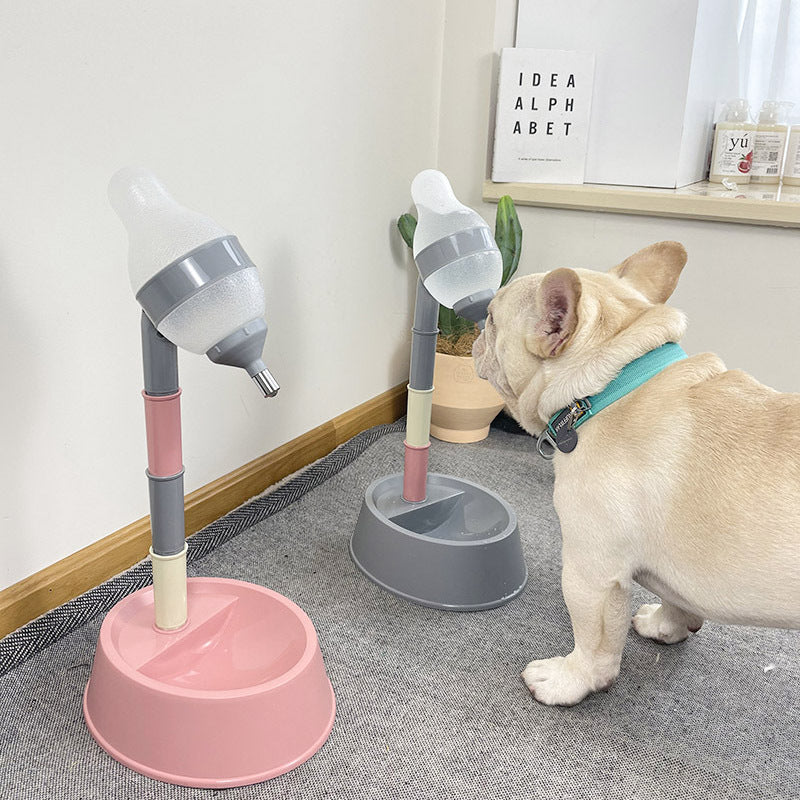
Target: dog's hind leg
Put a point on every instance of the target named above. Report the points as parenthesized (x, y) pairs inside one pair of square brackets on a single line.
[(665, 623), (600, 613)]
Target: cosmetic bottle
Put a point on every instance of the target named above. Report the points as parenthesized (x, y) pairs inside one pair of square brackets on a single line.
[(732, 155), (769, 144), (791, 166)]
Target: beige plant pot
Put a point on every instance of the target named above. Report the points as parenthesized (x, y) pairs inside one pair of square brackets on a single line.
[(464, 405)]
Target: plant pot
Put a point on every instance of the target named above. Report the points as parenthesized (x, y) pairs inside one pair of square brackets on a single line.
[(464, 405)]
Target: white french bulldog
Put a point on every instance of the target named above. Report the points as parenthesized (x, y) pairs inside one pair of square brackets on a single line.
[(688, 485)]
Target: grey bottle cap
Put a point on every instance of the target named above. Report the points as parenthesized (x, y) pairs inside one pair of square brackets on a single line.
[(451, 248), (242, 348), (178, 281), (474, 306)]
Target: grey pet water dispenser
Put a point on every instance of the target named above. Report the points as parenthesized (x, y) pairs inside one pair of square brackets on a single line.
[(433, 539)]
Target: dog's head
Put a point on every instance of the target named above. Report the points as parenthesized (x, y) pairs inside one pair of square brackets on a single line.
[(553, 337)]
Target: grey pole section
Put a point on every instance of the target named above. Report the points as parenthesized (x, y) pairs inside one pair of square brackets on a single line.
[(166, 514), (423, 339), (160, 362)]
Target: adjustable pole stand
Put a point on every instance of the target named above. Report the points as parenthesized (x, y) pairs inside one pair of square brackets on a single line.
[(420, 395), (162, 397)]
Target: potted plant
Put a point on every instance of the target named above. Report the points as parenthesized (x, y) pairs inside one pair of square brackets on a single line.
[(464, 405)]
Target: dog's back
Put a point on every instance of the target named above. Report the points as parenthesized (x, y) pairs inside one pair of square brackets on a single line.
[(716, 456)]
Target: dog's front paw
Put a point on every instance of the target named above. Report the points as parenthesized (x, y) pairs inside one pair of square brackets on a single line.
[(557, 681), (665, 623)]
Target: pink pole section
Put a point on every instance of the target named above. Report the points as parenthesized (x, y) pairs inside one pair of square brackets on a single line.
[(415, 472), (162, 416)]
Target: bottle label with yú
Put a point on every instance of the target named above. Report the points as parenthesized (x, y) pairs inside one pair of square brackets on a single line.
[(733, 153)]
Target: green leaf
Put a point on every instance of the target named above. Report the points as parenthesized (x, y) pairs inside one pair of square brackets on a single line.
[(407, 225), (464, 325), (508, 235)]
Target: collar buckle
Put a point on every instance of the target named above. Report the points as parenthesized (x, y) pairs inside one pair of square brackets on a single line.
[(559, 433), (578, 409)]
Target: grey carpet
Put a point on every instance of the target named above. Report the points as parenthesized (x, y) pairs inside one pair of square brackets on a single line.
[(430, 704)]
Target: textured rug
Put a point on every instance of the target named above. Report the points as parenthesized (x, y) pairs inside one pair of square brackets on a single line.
[(430, 703)]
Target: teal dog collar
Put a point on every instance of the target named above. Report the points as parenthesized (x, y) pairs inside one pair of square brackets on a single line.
[(560, 433)]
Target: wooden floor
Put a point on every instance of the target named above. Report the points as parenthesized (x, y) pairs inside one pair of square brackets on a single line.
[(113, 554)]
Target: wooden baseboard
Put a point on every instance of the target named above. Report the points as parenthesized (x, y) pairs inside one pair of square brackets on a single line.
[(79, 572)]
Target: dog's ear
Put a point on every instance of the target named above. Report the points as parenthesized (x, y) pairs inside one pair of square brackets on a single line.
[(654, 270), (556, 313)]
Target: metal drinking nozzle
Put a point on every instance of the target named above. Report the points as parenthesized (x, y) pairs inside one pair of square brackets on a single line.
[(266, 382)]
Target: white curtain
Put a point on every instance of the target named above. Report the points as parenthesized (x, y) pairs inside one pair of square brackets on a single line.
[(769, 52)]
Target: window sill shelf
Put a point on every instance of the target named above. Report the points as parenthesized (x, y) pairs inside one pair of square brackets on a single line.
[(754, 204)]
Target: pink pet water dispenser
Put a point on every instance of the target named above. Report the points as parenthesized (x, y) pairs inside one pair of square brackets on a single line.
[(202, 682)]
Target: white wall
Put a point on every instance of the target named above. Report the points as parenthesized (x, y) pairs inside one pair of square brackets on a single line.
[(299, 126), (741, 286)]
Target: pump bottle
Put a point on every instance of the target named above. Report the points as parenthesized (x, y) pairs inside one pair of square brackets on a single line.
[(770, 142), (791, 166), (732, 155)]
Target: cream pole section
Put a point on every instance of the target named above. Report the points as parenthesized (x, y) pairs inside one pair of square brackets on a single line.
[(420, 391), (418, 421), (169, 589)]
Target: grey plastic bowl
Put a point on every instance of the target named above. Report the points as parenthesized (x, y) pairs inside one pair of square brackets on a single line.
[(459, 549)]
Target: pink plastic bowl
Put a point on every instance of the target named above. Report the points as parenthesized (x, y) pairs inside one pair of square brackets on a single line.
[(236, 696)]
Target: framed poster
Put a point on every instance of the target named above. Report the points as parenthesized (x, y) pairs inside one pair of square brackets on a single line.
[(544, 102)]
